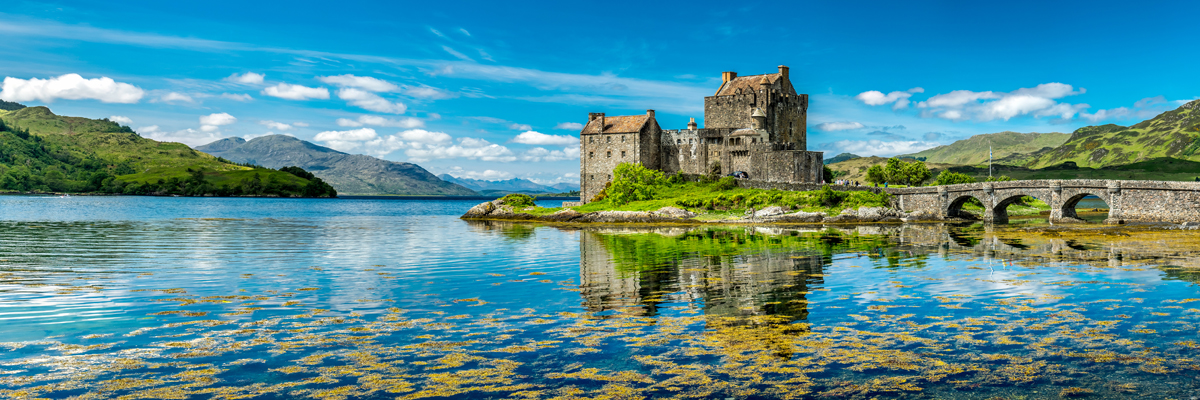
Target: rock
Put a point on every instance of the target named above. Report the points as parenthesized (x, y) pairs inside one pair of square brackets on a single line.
[(481, 210), (672, 212), (563, 215), (769, 212), (1190, 225), (798, 216), (842, 219)]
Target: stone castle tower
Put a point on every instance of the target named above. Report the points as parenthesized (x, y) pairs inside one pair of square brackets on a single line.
[(754, 124)]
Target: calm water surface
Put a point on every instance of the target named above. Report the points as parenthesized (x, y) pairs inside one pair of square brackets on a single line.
[(104, 297)]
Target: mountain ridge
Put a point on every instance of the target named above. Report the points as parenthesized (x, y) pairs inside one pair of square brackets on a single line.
[(350, 174)]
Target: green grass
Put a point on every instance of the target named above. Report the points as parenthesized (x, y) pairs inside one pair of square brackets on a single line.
[(713, 203)]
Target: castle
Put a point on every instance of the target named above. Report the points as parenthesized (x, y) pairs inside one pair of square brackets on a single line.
[(755, 124)]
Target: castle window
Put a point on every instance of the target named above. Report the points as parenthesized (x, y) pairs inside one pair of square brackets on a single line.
[(622, 153), (622, 138), (609, 155), (591, 155), (678, 141), (610, 139), (689, 141), (592, 140)]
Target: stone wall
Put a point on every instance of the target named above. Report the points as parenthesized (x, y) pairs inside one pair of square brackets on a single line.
[(682, 150), (1133, 201), (599, 154)]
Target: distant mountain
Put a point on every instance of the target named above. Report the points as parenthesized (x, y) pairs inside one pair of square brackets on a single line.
[(840, 158), (1174, 134), (515, 185), (1011, 146), (350, 174)]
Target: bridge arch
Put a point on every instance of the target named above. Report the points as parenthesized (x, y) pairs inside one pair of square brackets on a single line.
[(1072, 200), (954, 208), (1009, 197)]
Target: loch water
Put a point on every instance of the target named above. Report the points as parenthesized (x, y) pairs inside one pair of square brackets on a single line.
[(189, 298)]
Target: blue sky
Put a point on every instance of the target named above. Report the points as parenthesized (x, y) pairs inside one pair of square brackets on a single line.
[(496, 90)]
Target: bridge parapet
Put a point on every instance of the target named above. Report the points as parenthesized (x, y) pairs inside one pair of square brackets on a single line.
[(1143, 201)]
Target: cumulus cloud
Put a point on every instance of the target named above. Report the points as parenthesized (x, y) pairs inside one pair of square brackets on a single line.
[(407, 123), (1038, 101), (537, 154), (538, 138), (898, 100), (190, 137), (520, 127), (573, 126), (296, 92), (879, 147), (236, 96), (211, 123), (424, 136), (120, 119), (217, 119), (247, 78), (175, 97), (370, 101), (1142, 109), (279, 126), (828, 126), (486, 175), (69, 87), (361, 82), (468, 148), (367, 141), (428, 92)]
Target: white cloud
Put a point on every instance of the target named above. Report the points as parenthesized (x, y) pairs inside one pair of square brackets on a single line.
[(69, 87), (485, 175), (279, 126), (455, 53), (355, 135), (464, 31), (1142, 109), (296, 92), (898, 100), (520, 127), (237, 96), (176, 97), (1038, 101), (424, 136), (469, 148), (370, 101), (247, 78), (362, 82), (573, 126), (878, 147), (428, 92), (217, 119), (407, 123), (190, 137), (833, 126), (538, 138), (537, 154), (120, 120)]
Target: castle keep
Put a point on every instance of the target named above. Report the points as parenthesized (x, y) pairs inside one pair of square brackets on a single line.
[(755, 124)]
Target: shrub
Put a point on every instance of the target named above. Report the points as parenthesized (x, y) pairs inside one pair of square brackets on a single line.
[(726, 183), (827, 174), (952, 178), (714, 171), (633, 182), (517, 200), (829, 197)]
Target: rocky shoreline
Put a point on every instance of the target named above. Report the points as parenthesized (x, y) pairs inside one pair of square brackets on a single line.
[(498, 210)]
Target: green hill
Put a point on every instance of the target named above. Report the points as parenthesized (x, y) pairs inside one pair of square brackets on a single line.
[(44, 152), (1174, 134), (841, 157), (1011, 146), (348, 173)]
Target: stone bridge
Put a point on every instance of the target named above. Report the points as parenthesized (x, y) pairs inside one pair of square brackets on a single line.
[(1133, 201)]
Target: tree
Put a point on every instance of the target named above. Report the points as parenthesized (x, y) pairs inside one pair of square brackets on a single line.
[(827, 174), (893, 172), (952, 178), (875, 175), (633, 182), (916, 173)]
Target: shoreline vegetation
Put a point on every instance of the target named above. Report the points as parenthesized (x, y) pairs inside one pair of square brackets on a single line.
[(641, 195)]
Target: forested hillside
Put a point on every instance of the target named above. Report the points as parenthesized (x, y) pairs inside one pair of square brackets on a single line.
[(44, 152)]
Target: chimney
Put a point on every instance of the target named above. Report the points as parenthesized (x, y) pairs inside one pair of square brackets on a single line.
[(601, 116), (591, 116), (650, 113), (783, 71), (692, 124), (728, 76)]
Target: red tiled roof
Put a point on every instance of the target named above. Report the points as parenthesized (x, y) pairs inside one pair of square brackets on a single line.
[(616, 124)]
